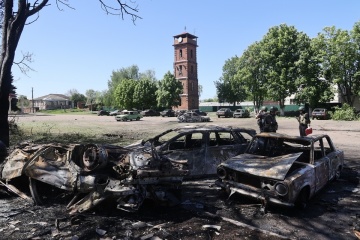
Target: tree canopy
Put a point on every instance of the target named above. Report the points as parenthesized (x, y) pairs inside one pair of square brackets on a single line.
[(168, 93)]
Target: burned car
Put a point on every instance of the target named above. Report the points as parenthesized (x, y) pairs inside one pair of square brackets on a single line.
[(193, 117), (204, 147), (93, 173), (281, 169)]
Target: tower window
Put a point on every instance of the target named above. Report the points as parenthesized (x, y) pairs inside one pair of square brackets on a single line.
[(181, 53), (191, 53), (192, 69)]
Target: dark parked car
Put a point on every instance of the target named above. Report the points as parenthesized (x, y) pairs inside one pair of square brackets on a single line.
[(281, 169), (224, 112), (201, 113), (149, 113), (204, 147), (167, 113), (103, 113), (320, 113)]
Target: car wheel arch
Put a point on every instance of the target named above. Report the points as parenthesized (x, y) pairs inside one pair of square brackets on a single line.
[(303, 197)]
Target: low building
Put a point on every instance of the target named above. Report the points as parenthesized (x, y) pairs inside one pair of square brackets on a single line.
[(51, 101)]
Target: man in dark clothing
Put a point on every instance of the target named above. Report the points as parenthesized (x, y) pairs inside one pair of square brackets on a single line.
[(270, 123), (303, 120)]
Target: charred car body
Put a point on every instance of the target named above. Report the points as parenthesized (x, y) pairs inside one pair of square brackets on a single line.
[(282, 169), (94, 173), (193, 117), (204, 147)]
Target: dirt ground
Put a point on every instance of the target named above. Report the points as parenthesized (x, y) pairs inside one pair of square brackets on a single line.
[(204, 212)]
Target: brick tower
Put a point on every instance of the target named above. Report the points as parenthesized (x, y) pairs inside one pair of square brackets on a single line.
[(185, 69)]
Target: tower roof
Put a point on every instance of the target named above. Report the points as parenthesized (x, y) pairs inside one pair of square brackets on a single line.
[(185, 34)]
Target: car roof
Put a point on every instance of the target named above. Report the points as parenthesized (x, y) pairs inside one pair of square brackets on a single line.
[(212, 128), (309, 138)]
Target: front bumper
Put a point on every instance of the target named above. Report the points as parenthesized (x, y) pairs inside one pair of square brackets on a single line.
[(252, 192)]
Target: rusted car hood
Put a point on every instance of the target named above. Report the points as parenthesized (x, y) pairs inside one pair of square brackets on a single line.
[(262, 166)]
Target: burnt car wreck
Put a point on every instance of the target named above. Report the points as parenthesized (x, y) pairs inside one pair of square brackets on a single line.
[(203, 146), (281, 169), (93, 173)]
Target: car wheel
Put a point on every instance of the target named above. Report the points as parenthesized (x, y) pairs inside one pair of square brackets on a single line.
[(137, 119), (218, 116), (303, 199)]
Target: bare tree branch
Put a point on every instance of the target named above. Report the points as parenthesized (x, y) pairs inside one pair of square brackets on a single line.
[(124, 9), (23, 63)]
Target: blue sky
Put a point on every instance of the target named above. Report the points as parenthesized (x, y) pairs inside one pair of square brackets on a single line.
[(79, 49)]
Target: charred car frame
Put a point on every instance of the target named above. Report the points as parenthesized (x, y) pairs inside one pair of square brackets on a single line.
[(93, 173), (203, 146), (281, 169)]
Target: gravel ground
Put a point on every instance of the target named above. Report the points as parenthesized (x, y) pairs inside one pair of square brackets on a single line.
[(332, 214)]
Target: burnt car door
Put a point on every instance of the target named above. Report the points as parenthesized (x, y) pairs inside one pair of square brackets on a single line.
[(321, 164), (335, 160), (190, 147), (222, 145)]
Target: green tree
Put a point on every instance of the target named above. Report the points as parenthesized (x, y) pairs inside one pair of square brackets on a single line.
[(124, 93), (168, 93), (282, 49), (90, 98), (252, 74), (228, 88), (313, 88), (13, 22), (23, 102), (76, 97), (117, 76), (100, 99), (145, 94), (340, 54)]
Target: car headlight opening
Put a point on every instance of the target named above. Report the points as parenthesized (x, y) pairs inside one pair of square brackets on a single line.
[(221, 172), (281, 189)]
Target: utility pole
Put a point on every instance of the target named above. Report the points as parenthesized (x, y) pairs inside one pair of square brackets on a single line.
[(32, 99)]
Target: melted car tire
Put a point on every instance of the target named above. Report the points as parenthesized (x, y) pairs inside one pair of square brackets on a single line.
[(302, 199)]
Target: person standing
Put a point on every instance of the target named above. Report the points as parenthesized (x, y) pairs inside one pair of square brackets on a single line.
[(261, 117), (303, 120), (270, 123)]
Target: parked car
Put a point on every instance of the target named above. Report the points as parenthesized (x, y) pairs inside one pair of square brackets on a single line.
[(114, 113), (201, 113), (103, 113), (241, 113), (128, 115), (179, 112), (149, 113), (193, 117), (167, 113), (320, 113), (93, 173), (204, 147), (281, 169), (224, 112)]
